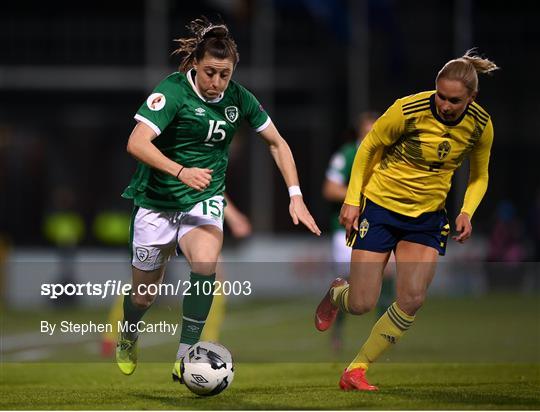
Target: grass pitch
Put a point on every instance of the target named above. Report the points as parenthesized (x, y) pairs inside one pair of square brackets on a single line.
[(481, 353), (272, 386)]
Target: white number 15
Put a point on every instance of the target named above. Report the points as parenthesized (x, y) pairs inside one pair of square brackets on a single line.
[(214, 128)]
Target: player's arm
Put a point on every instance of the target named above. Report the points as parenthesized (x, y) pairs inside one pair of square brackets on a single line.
[(333, 191), (362, 167), (140, 146), (335, 184), (385, 132), (478, 183), (284, 159), (238, 222)]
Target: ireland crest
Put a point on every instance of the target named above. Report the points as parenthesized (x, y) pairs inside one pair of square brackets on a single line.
[(231, 113), (142, 253)]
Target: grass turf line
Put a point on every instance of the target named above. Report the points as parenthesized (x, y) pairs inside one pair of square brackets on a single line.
[(272, 386)]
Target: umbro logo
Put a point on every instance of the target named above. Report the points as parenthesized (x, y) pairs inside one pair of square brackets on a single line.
[(389, 338), (199, 111), (198, 378)]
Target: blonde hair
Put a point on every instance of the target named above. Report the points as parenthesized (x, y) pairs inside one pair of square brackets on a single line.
[(466, 69), (207, 37)]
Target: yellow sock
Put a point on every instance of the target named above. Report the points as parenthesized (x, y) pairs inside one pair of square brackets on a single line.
[(116, 314), (214, 320), (389, 328), (340, 297)]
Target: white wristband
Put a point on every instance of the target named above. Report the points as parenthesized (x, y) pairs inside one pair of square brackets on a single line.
[(295, 191)]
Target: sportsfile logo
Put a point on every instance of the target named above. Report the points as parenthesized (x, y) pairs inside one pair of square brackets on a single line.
[(118, 288)]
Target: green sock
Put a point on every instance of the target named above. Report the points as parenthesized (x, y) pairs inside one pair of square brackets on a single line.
[(196, 307), (132, 315)]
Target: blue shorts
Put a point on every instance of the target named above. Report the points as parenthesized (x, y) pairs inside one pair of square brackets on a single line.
[(380, 229)]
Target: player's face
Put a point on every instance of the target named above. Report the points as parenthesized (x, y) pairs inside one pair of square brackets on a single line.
[(452, 98), (364, 128), (213, 75)]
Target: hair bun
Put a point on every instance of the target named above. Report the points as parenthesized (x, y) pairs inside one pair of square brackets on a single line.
[(203, 28), (206, 37), (218, 31)]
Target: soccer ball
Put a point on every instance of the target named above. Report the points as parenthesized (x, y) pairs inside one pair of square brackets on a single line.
[(207, 369)]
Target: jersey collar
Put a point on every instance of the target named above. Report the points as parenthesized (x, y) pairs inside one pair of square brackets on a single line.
[(191, 79), (439, 118)]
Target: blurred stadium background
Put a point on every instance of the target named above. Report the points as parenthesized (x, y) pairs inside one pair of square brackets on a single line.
[(73, 74)]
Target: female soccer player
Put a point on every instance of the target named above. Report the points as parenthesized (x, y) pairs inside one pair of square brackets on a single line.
[(395, 201), (181, 140), (240, 228)]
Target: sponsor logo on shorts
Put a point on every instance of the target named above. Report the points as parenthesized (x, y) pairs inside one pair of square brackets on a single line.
[(156, 101), (231, 113), (363, 228), (142, 253)]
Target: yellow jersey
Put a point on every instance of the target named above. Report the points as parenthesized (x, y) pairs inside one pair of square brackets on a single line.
[(407, 160)]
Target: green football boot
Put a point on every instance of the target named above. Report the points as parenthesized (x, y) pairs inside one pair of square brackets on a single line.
[(126, 355), (177, 371)]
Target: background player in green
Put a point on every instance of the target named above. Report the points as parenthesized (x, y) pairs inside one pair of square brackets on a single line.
[(181, 141), (334, 190)]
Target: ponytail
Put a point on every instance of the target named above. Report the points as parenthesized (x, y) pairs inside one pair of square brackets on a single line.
[(480, 64), (466, 69), (207, 37)]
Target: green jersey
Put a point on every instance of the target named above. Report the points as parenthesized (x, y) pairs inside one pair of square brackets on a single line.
[(339, 171), (194, 132)]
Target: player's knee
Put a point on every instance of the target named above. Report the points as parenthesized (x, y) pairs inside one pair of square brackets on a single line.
[(361, 306), (410, 303), (204, 267), (143, 301)]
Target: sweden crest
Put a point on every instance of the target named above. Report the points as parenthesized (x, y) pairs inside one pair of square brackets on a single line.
[(231, 113), (443, 149), (363, 228)]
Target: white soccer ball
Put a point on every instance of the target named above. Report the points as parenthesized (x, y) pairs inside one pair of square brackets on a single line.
[(207, 369)]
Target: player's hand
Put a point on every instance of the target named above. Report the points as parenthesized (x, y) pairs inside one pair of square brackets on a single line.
[(348, 217), (463, 227), (241, 227), (300, 213), (196, 178)]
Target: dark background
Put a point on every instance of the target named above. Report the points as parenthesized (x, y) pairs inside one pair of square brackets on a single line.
[(72, 75)]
